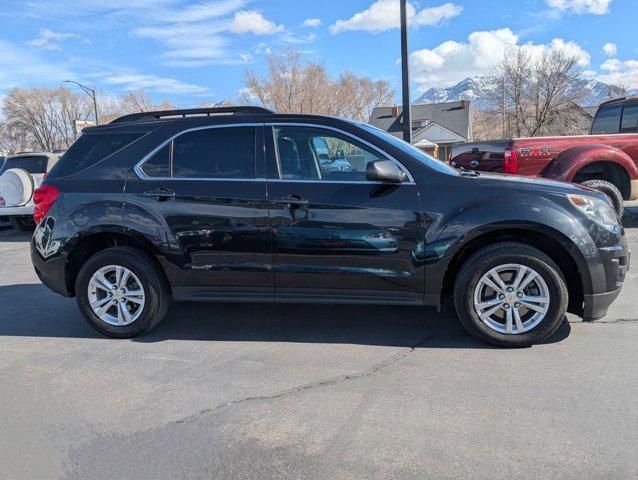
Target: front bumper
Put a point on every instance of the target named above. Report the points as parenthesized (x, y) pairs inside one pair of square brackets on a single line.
[(615, 262)]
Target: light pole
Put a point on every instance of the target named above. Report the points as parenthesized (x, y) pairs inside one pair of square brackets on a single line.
[(405, 74), (90, 92)]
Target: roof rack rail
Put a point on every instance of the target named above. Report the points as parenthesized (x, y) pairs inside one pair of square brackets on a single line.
[(208, 112)]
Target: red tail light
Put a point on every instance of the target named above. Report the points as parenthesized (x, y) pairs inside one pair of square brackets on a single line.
[(510, 164), (43, 197)]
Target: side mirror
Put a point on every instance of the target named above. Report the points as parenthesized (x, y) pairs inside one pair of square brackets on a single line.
[(385, 171)]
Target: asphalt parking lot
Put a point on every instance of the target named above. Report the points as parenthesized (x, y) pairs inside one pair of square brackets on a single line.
[(298, 391)]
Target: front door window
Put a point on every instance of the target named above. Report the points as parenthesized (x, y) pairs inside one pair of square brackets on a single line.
[(308, 153)]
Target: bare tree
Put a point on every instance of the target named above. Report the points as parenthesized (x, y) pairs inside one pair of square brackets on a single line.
[(44, 116), (13, 140), (294, 86), (537, 95), (113, 107)]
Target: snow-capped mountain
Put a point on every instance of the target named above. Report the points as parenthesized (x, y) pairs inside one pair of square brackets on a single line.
[(482, 92)]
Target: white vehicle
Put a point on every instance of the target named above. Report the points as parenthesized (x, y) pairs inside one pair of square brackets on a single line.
[(20, 175)]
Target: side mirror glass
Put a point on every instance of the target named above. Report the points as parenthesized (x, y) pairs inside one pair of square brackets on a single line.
[(385, 171)]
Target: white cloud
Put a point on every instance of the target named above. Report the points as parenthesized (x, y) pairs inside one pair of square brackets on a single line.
[(451, 61), (50, 40), (199, 35), (437, 15), (610, 49), (246, 21), (612, 65), (596, 7), (311, 22), (383, 15), (205, 11), (20, 67), (137, 81), (619, 72)]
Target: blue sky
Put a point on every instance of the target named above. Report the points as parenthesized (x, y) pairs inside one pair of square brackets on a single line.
[(197, 51)]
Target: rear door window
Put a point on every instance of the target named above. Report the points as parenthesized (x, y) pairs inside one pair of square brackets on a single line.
[(607, 120), (629, 122), (33, 164), (90, 149), (227, 152)]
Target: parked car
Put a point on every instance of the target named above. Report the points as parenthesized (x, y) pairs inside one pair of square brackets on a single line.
[(606, 160), (232, 204), (20, 176)]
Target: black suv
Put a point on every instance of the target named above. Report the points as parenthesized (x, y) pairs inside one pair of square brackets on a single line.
[(241, 204)]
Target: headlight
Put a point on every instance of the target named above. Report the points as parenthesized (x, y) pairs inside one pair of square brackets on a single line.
[(598, 210)]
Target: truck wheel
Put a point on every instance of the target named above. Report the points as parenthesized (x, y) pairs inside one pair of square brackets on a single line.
[(611, 191), (122, 292), (510, 295), (23, 223)]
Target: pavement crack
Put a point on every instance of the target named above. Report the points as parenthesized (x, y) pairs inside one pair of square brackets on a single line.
[(616, 320), (309, 386)]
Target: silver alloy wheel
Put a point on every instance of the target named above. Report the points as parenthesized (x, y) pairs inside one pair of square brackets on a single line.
[(511, 298), (116, 295)]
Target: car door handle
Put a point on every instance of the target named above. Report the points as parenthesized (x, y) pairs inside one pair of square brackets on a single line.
[(159, 193), (292, 201)]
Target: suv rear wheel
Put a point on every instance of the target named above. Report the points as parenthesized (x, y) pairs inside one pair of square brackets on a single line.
[(121, 292), (510, 294)]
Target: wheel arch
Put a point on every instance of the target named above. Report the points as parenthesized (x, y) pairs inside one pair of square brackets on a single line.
[(96, 242), (611, 172), (595, 162), (549, 241)]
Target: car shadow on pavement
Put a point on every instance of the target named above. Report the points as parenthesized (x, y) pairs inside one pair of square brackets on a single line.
[(9, 234), (31, 310)]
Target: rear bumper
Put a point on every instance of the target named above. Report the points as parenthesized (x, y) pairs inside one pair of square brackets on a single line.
[(615, 262), (26, 210), (48, 261)]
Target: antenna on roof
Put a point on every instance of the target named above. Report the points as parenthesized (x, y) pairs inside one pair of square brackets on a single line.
[(136, 102)]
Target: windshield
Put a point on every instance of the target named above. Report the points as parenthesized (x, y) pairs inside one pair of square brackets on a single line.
[(411, 150)]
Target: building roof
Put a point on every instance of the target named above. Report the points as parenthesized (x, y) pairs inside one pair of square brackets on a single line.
[(453, 116), (424, 143)]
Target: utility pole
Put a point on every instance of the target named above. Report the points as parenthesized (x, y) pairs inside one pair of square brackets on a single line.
[(405, 74), (90, 92), (503, 104)]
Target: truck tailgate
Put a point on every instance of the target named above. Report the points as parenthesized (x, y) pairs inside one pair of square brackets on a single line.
[(484, 156)]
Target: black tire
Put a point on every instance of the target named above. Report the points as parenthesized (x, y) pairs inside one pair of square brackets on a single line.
[(23, 223), (156, 289), (500, 254), (611, 191)]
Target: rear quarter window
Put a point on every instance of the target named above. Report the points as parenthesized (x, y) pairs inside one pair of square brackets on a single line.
[(90, 149), (629, 123), (607, 120), (33, 164)]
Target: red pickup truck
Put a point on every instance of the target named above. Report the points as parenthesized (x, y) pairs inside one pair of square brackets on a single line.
[(606, 159)]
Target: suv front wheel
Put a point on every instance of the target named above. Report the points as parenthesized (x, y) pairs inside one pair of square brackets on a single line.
[(510, 294), (122, 292)]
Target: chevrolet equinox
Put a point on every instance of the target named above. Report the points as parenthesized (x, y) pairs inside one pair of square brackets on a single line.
[(240, 204)]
